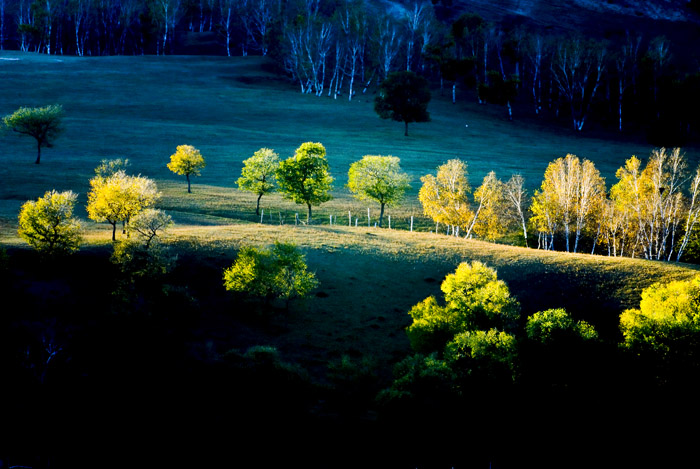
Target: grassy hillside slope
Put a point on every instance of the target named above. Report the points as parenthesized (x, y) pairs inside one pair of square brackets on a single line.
[(141, 108)]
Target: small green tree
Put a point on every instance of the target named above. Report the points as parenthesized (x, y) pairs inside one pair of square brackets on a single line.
[(378, 178), (42, 123), (403, 97), (258, 174), (305, 177), (187, 161), (48, 225), (277, 273)]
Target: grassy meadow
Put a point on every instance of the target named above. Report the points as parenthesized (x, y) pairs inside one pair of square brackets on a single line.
[(170, 370), (141, 108)]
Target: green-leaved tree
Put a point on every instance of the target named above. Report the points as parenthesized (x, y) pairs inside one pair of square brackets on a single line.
[(276, 273), (474, 300), (403, 97), (305, 177), (378, 178), (258, 174), (42, 123)]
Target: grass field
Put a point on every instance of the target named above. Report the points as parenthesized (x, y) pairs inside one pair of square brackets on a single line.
[(141, 108)]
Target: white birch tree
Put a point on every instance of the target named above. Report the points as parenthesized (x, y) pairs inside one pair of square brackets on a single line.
[(515, 194), (626, 66), (692, 214), (577, 69), (388, 42)]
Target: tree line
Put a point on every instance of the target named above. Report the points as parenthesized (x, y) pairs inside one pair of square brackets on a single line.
[(626, 81), (651, 212)]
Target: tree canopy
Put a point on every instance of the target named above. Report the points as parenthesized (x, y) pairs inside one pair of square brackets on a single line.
[(120, 197), (305, 177), (403, 97), (187, 161), (445, 196), (259, 174), (42, 123), (378, 178), (276, 273), (48, 225), (474, 300)]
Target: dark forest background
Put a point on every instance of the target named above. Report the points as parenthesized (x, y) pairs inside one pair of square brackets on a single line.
[(615, 65)]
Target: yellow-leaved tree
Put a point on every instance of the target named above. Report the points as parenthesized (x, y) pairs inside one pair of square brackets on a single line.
[(445, 196), (491, 220), (187, 161), (48, 225), (654, 198), (119, 197), (570, 198)]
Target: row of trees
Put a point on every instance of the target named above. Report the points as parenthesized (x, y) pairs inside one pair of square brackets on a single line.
[(115, 197), (305, 178), (651, 212), (648, 213), (332, 48)]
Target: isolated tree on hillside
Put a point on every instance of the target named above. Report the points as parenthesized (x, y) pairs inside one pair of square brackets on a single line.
[(42, 123), (107, 168), (378, 178), (120, 197), (48, 225), (187, 161), (403, 97), (305, 177), (259, 173)]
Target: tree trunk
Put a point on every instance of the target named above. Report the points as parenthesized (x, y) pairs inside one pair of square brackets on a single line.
[(189, 186), (257, 208), (114, 231), (38, 152), (405, 133), (308, 215), (381, 214)]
